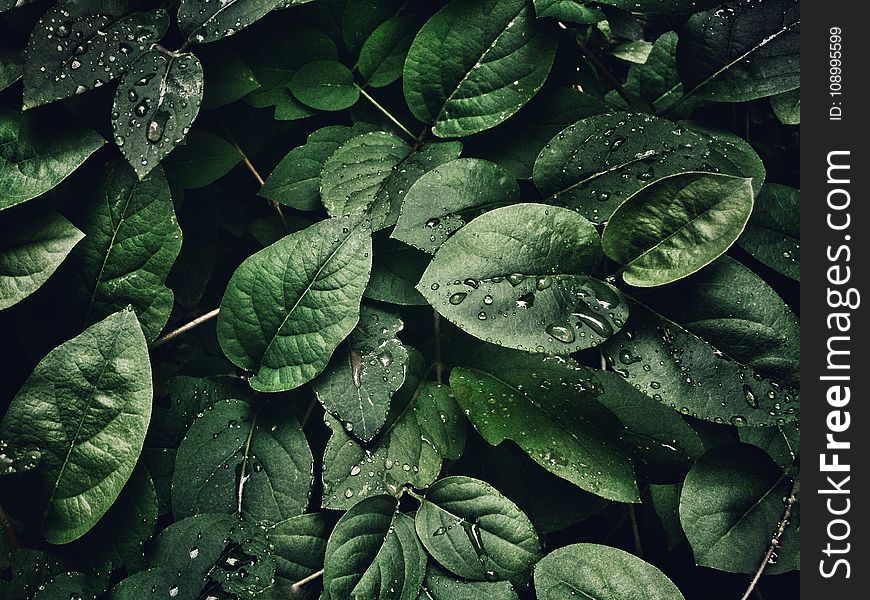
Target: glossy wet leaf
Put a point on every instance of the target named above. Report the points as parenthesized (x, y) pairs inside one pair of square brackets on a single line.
[(34, 158), (571, 11), (203, 21), (73, 50), (299, 548), (396, 270), (677, 226), (382, 56), (787, 107), (244, 459), (373, 552), (155, 104), (440, 585), (324, 85), (516, 276), (469, 528), (358, 384), (596, 164), (131, 241), (445, 198), (634, 52), (410, 451), (474, 64), (773, 232), (549, 407), (289, 306), (596, 571), (730, 507), (741, 51), (295, 181), (31, 252), (86, 407)]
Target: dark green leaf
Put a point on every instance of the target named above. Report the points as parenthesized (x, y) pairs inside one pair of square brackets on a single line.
[(362, 377), (522, 397), (204, 159), (203, 21), (31, 252), (382, 56), (741, 51), (299, 549), (229, 77), (324, 85), (243, 459), (155, 105), (515, 276), (288, 306), (440, 202), (594, 165), (773, 233), (86, 407), (35, 158), (11, 65), (677, 226), (131, 241), (374, 553), (72, 50), (475, 532), (730, 507), (787, 107), (475, 63), (396, 270), (782, 443), (572, 11), (595, 571), (439, 585)]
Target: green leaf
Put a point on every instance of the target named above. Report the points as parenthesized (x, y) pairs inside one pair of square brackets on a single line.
[(522, 397), (203, 21), (438, 204), (11, 64), (439, 585), (362, 377), (243, 459), (288, 306), (295, 181), (299, 549), (677, 226), (787, 107), (409, 451), (205, 553), (782, 443), (359, 18), (204, 159), (230, 78), (131, 241), (594, 165), (72, 50), (730, 507), (572, 11), (357, 171), (86, 406), (666, 7), (30, 252), (732, 308), (664, 445), (742, 51), (516, 276), (373, 552), (34, 158), (474, 64), (636, 51), (324, 85), (773, 233), (382, 56), (396, 270), (595, 571), (155, 105), (475, 532)]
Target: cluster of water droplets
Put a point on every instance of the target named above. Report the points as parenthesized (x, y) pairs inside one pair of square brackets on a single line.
[(14, 459)]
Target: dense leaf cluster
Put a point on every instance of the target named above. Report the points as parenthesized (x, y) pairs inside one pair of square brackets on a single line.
[(398, 299)]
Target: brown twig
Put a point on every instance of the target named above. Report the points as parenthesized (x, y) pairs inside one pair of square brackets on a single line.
[(635, 531), (260, 181), (185, 328), (776, 540)]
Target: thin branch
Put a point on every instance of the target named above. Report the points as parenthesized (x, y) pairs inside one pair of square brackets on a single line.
[(439, 364), (776, 540), (260, 181), (303, 582), (606, 72), (308, 412), (185, 328), (635, 531), (386, 113)]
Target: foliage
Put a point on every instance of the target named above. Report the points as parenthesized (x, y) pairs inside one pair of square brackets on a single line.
[(398, 299)]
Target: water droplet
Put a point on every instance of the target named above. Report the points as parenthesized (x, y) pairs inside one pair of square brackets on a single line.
[(457, 298), (561, 333), (750, 397)]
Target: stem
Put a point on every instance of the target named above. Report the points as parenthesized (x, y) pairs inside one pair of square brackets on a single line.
[(185, 328), (439, 365), (606, 72), (256, 174), (776, 540), (386, 113), (635, 531), (308, 412), (303, 582)]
